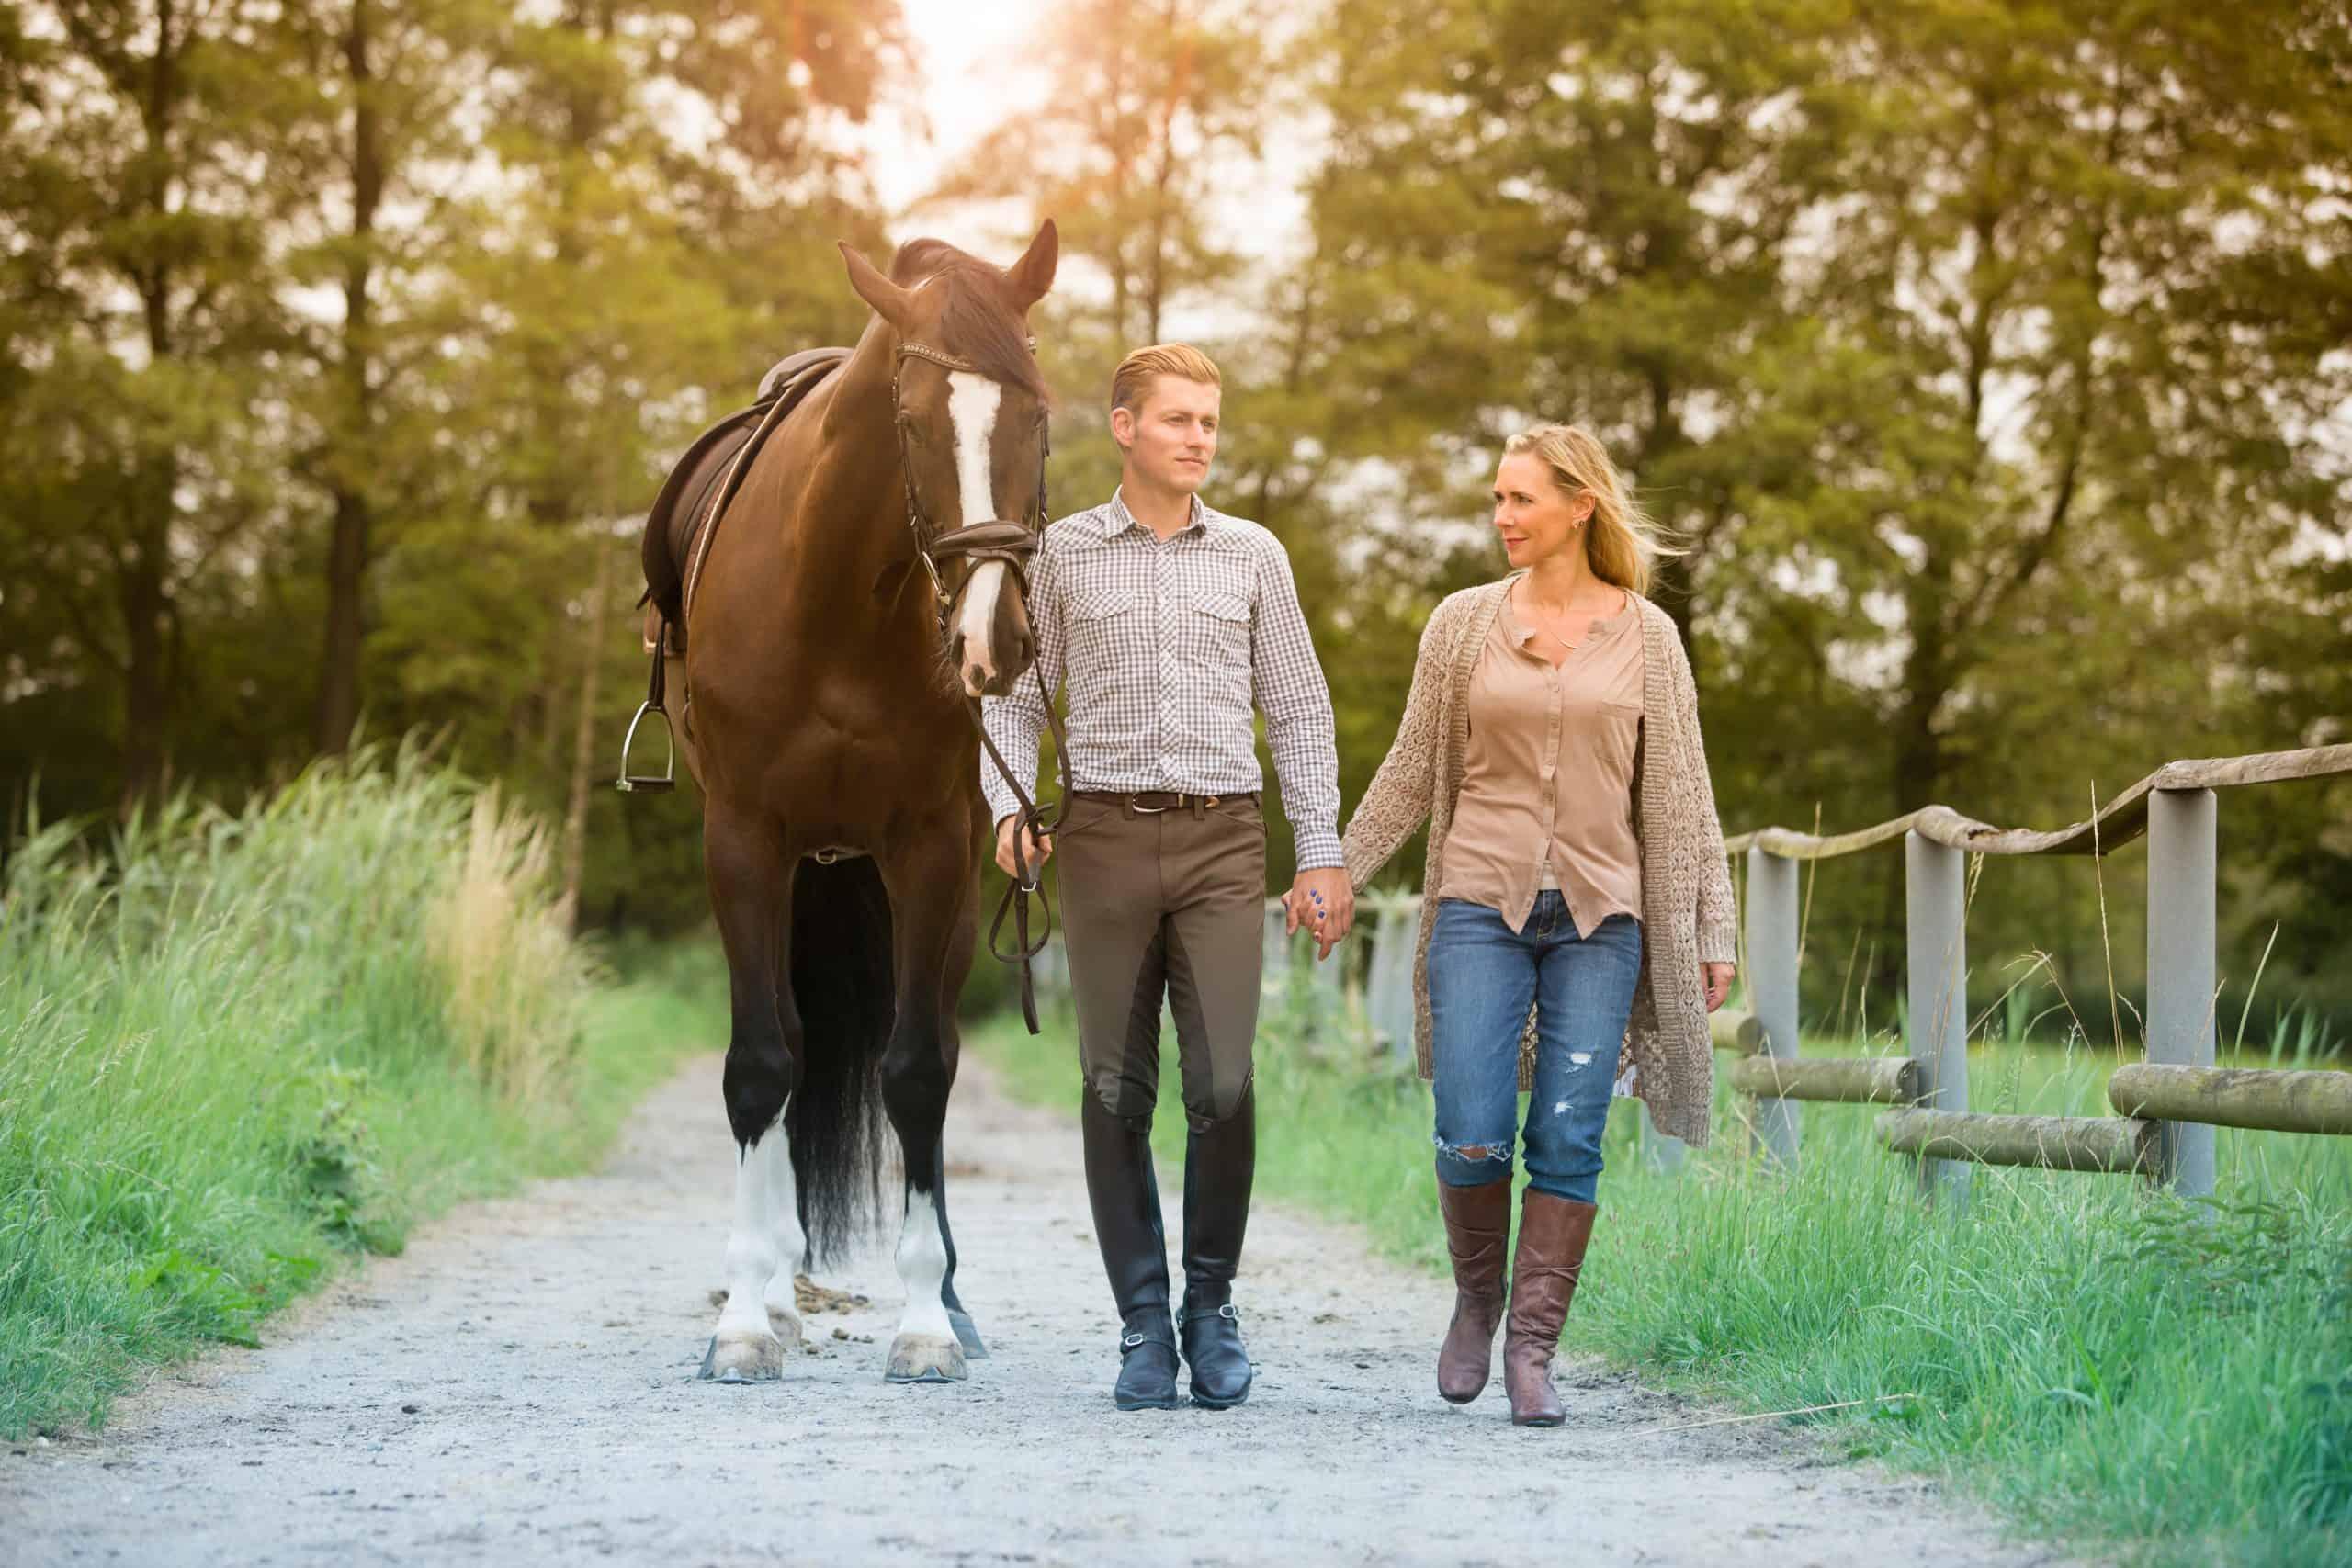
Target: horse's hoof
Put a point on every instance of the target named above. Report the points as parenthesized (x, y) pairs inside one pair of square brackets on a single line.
[(743, 1358), (785, 1323), (967, 1334), (924, 1357)]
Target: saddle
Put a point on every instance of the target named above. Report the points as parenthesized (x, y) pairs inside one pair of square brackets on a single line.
[(692, 499)]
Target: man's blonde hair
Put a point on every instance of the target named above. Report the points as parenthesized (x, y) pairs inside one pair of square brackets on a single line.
[(1623, 542), (1131, 383)]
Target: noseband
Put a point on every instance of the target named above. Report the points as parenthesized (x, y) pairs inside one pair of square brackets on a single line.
[(1012, 543), (998, 539)]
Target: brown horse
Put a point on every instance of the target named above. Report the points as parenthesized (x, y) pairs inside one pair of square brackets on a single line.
[(863, 590)]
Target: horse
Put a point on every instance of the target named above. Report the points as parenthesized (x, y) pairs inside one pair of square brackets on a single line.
[(865, 589)]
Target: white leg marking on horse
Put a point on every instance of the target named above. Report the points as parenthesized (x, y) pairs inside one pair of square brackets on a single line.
[(744, 1347), (925, 1350), (791, 1241), (972, 402)]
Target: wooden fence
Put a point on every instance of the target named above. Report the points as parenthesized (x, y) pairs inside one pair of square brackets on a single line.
[(2166, 1106)]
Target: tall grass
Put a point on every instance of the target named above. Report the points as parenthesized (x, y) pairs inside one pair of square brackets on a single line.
[(237, 1048), (2167, 1380)]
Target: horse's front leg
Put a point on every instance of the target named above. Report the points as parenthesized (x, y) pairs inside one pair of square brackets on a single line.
[(934, 887), (750, 884)]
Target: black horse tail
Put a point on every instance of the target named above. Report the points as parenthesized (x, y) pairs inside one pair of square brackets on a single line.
[(842, 983)]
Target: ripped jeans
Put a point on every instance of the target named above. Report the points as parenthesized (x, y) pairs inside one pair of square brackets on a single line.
[(1483, 976)]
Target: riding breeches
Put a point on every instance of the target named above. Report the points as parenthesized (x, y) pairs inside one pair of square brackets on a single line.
[(1164, 903)]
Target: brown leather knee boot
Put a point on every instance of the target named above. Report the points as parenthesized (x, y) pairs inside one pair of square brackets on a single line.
[(1553, 1235), (1478, 1231)]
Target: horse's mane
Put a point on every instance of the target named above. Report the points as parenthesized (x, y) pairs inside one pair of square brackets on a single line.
[(979, 322)]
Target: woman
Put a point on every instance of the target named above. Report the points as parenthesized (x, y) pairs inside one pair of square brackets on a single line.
[(1575, 871)]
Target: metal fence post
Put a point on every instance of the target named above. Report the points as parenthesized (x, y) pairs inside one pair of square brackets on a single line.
[(1772, 919), (1935, 888), (2181, 852)]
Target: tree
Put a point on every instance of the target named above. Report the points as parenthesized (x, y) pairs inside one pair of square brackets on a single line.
[(136, 222)]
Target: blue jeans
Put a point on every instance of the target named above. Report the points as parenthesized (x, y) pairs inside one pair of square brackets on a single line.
[(1483, 976)]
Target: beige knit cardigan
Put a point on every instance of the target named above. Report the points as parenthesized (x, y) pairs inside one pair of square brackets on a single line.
[(1687, 906)]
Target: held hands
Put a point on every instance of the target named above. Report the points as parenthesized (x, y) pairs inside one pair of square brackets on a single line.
[(1718, 982), (1040, 848), (1324, 902)]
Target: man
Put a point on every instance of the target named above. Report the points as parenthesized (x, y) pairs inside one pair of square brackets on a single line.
[(1165, 620)]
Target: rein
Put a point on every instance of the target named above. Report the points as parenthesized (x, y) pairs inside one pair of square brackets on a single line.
[(1011, 544)]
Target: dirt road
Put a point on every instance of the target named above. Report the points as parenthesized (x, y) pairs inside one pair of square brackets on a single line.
[(520, 1388)]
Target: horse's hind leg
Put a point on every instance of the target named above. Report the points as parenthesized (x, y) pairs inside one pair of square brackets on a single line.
[(751, 894), (932, 889)]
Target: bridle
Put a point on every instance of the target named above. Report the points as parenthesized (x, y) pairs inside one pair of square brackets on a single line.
[(996, 538), (1011, 544)]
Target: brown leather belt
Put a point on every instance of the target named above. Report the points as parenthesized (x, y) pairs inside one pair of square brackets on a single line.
[(1153, 800)]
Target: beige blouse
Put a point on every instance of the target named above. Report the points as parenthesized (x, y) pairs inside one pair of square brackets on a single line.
[(1688, 912), (1548, 789)]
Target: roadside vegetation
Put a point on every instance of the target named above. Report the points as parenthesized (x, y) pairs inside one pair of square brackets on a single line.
[(240, 1051)]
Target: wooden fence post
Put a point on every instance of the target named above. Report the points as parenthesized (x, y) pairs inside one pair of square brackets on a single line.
[(1935, 887), (2181, 849), (1388, 988), (1772, 918)]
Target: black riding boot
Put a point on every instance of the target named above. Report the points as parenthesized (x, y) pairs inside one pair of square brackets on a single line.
[(1125, 1193), (1220, 1159)]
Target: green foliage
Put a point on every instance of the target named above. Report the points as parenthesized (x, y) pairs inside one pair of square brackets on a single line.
[(232, 1053)]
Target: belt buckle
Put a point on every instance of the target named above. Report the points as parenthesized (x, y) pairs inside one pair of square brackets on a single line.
[(1135, 804)]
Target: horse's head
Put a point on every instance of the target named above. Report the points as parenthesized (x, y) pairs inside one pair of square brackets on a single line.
[(971, 413)]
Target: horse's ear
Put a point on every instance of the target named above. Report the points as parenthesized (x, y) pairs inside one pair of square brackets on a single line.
[(1033, 273), (892, 303)]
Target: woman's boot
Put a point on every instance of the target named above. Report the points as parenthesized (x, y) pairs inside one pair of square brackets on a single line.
[(1553, 1235), (1477, 1229)]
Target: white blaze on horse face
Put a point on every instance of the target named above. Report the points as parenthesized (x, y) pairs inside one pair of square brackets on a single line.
[(972, 403)]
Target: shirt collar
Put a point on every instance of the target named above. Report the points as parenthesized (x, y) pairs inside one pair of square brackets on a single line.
[(1118, 519)]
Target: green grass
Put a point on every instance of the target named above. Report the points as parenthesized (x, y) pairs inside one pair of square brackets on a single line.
[(2104, 1364), (236, 1052)]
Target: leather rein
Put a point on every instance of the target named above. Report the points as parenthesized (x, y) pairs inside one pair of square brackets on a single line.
[(1011, 544)]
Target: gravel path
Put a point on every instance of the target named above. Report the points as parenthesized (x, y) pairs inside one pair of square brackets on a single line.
[(518, 1388)]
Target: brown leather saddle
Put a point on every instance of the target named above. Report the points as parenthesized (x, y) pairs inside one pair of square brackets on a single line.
[(687, 513)]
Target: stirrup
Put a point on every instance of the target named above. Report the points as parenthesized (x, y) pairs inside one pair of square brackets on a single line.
[(649, 784)]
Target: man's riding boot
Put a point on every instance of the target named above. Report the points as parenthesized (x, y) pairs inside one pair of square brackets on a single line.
[(1220, 1159), (1125, 1193), (1478, 1230), (1553, 1235)]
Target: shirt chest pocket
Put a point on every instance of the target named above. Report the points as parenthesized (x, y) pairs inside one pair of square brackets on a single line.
[(1102, 620), (1216, 627)]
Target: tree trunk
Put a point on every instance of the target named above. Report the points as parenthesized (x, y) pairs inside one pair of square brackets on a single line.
[(143, 597), (583, 730), (348, 545)]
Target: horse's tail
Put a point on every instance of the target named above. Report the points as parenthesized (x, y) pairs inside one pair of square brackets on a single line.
[(843, 985)]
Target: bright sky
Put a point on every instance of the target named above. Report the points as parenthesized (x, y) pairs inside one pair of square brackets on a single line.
[(970, 58)]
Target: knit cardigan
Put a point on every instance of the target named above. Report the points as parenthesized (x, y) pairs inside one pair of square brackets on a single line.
[(1686, 908)]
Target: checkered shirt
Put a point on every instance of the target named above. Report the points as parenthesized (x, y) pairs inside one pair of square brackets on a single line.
[(1162, 650)]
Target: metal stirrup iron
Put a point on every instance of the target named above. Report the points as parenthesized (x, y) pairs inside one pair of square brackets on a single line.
[(667, 780)]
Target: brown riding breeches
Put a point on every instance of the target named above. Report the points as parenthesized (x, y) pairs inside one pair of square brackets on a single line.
[(1169, 902)]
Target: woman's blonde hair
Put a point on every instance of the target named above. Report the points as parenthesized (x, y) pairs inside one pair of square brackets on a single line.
[(1622, 541)]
